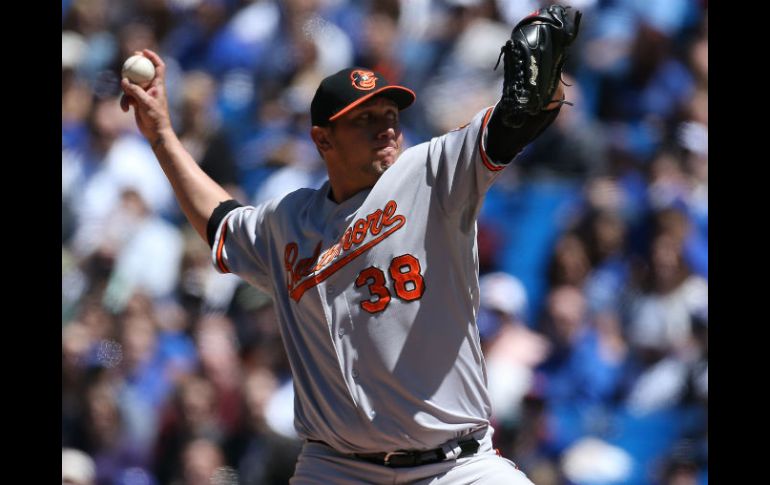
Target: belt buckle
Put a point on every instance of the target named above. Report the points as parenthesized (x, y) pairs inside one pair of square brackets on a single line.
[(386, 460)]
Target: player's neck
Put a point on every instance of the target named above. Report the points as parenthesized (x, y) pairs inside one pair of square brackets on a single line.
[(341, 194), (344, 186)]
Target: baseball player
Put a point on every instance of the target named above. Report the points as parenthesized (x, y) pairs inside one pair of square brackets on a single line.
[(374, 276)]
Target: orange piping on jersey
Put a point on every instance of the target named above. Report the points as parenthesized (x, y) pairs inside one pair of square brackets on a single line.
[(484, 158), (220, 262), (299, 290)]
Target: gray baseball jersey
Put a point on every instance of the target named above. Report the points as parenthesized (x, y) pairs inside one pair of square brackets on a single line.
[(377, 296)]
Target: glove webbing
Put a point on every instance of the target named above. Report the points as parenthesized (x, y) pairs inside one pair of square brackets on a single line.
[(514, 87), (513, 84)]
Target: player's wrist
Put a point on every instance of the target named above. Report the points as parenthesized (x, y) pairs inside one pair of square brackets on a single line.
[(161, 138)]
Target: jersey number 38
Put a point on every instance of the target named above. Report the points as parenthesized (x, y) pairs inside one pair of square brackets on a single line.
[(408, 283)]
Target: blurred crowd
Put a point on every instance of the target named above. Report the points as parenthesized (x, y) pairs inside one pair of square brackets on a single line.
[(593, 245)]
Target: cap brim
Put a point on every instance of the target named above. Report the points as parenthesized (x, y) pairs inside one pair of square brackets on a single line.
[(403, 97)]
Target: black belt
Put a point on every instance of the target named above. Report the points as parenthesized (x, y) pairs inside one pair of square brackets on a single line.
[(405, 458)]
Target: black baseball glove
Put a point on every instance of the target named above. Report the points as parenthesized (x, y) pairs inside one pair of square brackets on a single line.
[(533, 59)]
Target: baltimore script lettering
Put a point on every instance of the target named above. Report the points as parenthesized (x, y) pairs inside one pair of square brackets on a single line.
[(350, 245)]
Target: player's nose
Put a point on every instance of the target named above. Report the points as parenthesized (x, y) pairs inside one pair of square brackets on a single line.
[(386, 133)]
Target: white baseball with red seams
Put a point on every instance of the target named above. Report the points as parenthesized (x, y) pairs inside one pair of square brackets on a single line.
[(139, 70)]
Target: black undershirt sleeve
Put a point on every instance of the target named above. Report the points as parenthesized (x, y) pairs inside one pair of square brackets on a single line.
[(217, 215), (504, 143)]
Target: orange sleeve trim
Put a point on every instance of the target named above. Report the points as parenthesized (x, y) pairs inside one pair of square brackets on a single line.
[(220, 247), (487, 163)]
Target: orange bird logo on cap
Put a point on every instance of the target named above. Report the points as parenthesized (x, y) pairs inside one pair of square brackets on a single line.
[(363, 80)]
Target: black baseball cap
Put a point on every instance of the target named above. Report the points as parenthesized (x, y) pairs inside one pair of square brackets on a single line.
[(343, 91)]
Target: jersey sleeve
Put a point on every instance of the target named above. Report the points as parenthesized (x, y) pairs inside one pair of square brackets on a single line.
[(241, 244), (461, 168)]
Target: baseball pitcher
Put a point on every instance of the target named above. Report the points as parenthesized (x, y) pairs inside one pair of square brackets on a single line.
[(374, 276)]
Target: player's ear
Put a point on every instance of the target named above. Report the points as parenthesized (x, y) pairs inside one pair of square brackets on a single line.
[(320, 136)]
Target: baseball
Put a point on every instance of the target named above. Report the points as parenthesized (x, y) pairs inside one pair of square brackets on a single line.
[(139, 70)]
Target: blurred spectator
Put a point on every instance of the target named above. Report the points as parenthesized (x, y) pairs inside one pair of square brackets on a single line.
[(202, 464), (74, 283), (279, 155), (217, 346), (76, 342), (262, 455), (699, 60), (200, 288), (117, 159), (133, 36), (655, 87), (661, 328), (77, 102), (698, 385), (683, 465), (188, 40), (581, 374), (108, 440), (95, 317), (297, 165), (511, 350), (132, 236), (581, 369), (256, 326), (463, 79), (604, 234), (191, 415), (91, 20), (661, 314), (380, 43), (145, 364), (679, 222), (692, 136), (304, 40), (146, 384), (90, 125), (528, 443), (570, 264), (200, 134)]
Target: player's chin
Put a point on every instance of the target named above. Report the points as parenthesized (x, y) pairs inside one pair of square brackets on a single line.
[(386, 157)]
